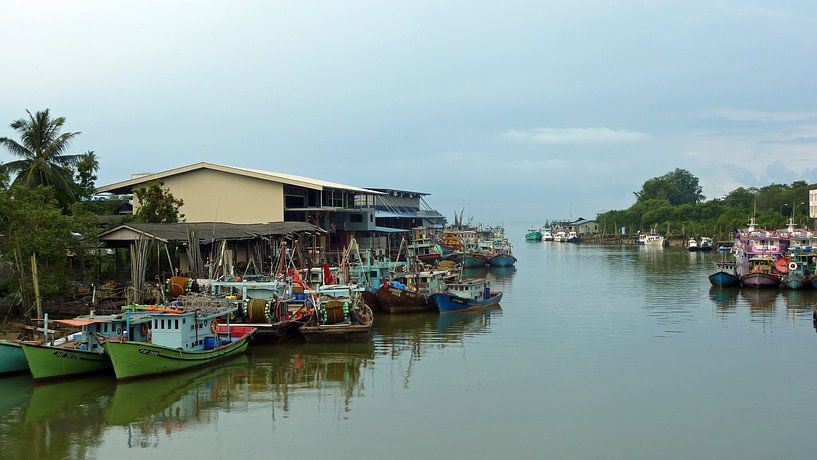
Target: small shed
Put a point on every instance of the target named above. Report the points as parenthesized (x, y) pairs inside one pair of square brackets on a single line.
[(201, 246)]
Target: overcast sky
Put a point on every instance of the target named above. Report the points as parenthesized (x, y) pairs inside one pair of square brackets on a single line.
[(517, 111)]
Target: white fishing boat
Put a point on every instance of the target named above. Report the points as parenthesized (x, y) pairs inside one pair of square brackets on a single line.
[(650, 239), (692, 245)]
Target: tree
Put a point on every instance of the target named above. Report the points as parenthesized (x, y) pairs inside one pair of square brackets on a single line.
[(677, 187), (41, 153), (4, 178), (156, 204), (33, 222), (87, 165)]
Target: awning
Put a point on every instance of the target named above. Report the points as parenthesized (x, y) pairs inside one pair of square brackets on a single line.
[(80, 322), (390, 230)]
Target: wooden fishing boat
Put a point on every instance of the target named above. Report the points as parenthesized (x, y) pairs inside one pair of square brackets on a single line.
[(467, 295), (761, 273), (338, 320), (397, 298), (794, 270), (82, 353), (468, 259), (179, 341), (725, 275), (12, 359)]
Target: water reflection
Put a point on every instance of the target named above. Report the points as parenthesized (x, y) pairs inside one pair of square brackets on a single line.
[(177, 401), (761, 302), (724, 298), (328, 372), (58, 420)]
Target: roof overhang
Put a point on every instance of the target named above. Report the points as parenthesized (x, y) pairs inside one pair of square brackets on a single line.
[(127, 186)]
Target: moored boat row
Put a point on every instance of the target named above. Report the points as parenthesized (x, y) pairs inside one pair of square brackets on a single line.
[(770, 259)]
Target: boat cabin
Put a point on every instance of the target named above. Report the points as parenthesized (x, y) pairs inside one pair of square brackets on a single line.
[(478, 290), (191, 330), (118, 326)]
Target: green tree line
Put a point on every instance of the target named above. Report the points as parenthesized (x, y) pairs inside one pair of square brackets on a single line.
[(48, 213), (674, 203)]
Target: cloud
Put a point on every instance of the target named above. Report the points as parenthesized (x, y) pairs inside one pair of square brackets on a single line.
[(758, 115), (575, 136)]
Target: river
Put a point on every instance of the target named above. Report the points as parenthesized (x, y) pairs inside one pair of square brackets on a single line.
[(596, 352)]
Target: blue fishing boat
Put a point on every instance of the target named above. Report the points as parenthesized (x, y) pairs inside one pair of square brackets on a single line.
[(467, 295), (12, 359), (468, 259), (795, 270), (502, 260), (725, 275)]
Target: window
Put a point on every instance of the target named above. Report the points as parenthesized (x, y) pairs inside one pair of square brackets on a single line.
[(177, 324), (163, 323), (356, 218)]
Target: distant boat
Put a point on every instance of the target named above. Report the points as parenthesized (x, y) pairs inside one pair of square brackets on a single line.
[(692, 245), (572, 237), (706, 244), (725, 275), (467, 295), (534, 234), (547, 235), (503, 259), (468, 259), (560, 237), (650, 239)]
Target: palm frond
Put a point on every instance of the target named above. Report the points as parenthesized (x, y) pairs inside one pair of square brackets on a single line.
[(15, 148), (60, 179), (14, 166), (59, 145)]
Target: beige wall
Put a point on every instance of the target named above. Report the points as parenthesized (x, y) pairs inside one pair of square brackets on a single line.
[(214, 196)]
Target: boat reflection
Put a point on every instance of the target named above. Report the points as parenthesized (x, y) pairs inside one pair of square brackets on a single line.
[(56, 420), (176, 400), (761, 301), (724, 298)]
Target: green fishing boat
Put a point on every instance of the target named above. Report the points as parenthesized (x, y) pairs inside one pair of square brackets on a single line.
[(81, 353), (534, 234), (180, 340)]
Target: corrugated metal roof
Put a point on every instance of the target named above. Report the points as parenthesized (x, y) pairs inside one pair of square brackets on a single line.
[(208, 231)]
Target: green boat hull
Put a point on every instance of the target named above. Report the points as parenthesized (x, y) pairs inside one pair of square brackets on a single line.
[(133, 360), (47, 363)]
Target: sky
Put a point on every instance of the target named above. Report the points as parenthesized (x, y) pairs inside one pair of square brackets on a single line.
[(515, 111)]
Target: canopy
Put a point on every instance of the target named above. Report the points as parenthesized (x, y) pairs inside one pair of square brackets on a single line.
[(80, 322)]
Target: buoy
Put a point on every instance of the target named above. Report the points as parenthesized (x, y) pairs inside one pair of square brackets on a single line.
[(214, 326), (793, 266)]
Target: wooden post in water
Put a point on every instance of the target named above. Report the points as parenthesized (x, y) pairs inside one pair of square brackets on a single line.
[(36, 281)]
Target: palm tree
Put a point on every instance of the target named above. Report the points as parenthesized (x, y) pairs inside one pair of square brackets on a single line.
[(42, 154)]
